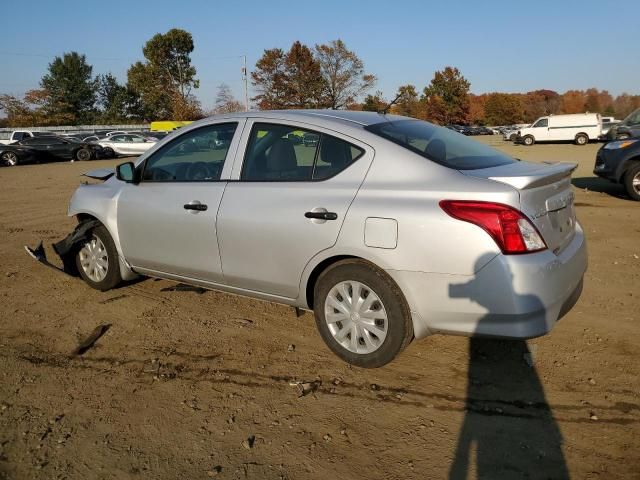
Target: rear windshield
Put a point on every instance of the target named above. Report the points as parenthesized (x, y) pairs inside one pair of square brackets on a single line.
[(441, 145)]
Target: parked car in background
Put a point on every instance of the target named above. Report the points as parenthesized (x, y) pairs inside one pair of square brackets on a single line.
[(510, 133), (18, 135), (388, 228), (16, 154), (627, 128), (578, 128), (619, 161), (47, 148), (125, 144), (607, 123)]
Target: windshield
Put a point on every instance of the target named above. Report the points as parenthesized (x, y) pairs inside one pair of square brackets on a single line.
[(633, 118), (441, 145)]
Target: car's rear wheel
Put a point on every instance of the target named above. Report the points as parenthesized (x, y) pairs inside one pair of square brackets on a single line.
[(83, 155), (361, 314), (513, 137), (581, 139), (9, 159), (632, 181), (528, 140), (97, 260)]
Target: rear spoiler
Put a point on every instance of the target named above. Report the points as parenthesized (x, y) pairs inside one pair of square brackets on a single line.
[(100, 173), (551, 173)]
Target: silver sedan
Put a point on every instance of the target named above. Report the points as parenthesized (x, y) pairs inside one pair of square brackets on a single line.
[(387, 228)]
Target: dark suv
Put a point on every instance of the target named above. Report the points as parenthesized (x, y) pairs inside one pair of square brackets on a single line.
[(629, 127), (619, 161)]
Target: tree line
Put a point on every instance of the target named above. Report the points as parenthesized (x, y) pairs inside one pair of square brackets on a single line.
[(160, 87), (323, 76)]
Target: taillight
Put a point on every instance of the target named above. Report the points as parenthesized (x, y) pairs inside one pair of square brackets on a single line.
[(511, 230)]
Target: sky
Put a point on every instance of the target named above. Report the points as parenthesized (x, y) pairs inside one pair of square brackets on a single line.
[(505, 46)]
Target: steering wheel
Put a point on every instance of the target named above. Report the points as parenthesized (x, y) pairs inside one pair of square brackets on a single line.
[(198, 172)]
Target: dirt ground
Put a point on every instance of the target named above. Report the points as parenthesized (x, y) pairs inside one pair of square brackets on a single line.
[(188, 385)]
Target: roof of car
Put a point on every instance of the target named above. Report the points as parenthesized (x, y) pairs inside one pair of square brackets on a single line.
[(357, 117)]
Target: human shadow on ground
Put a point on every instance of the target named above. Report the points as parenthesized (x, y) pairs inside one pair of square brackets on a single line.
[(509, 431)]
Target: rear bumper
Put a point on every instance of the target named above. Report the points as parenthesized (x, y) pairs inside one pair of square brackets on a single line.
[(512, 296)]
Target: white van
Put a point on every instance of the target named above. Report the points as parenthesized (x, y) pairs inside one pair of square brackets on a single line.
[(578, 128)]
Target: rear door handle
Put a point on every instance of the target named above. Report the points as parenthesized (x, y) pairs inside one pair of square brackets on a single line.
[(322, 215), (196, 206)]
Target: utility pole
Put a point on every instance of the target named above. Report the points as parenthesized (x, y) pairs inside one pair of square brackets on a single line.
[(246, 84)]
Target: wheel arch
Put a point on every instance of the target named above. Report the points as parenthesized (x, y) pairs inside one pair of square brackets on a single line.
[(317, 271), (582, 133), (126, 272)]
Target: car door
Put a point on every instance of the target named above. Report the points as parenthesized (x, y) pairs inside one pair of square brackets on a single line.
[(167, 222), (541, 130), (119, 144), (286, 203), (59, 148), (137, 144)]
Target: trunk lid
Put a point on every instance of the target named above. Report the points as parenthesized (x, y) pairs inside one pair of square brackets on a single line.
[(545, 196)]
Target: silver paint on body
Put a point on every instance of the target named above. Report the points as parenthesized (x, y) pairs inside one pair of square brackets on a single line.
[(254, 239)]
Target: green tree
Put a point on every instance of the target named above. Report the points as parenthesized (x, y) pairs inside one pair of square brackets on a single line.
[(164, 82), (343, 73), (407, 102), (270, 80), (70, 88), (374, 103), (452, 92), (503, 109), (116, 103)]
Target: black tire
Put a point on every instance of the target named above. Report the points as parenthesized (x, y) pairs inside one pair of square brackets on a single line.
[(10, 159), (528, 140), (83, 154), (581, 139), (108, 152), (513, 137), (399, 325), (112, 278), (633, 173)]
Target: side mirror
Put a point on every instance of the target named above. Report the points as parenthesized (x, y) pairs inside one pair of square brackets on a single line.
[(126, 172)]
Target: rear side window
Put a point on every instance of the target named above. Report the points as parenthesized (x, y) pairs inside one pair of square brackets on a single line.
[(440, 144), (284, 153)]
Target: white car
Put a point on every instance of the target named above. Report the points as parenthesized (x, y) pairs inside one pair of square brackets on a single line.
[(125, 144)]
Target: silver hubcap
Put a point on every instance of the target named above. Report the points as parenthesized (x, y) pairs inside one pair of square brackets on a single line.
[(10, 159), (94, 259), (635, 183), (356, 317)]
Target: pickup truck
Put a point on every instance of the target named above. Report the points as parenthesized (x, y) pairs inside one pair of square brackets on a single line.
[(18, 135)]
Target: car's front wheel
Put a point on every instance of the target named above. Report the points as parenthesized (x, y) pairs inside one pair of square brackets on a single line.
[(361, 314), (528, 140), (108, 152), (632, 181), (9, 159), (97, 260)]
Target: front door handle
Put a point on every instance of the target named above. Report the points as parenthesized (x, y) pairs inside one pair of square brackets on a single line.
[(322, 215), (195, 206)]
